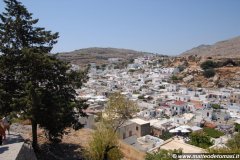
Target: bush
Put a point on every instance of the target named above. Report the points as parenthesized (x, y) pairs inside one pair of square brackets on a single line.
[(141, 97), (200, 139), (213, 132), (237, 127), (216, 106), (208, 65), (199, 85), (166, 135), (209, 73), (174, 78)]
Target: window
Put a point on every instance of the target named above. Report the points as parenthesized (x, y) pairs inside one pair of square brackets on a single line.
[(124, 135), (137, 128)]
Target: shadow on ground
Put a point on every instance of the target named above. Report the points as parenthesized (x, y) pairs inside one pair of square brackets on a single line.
[(60, 151), (13, 138), (3, 149)]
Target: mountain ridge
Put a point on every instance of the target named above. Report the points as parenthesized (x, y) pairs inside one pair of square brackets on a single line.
[(227, 48), (99, 55)]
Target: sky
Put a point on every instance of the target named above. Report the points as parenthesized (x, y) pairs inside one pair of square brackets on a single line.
[(159, 26)]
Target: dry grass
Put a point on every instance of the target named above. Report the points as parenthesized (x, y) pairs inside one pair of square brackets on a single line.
[(83, 136), (130, 153)]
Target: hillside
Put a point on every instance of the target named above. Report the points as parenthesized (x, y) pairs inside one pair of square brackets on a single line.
[(99, 55), (224, 49)]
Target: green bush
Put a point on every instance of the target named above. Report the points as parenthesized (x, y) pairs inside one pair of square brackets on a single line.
[(141, 97), (216, 106), (213, 132), (209, 73), (174, 78), (199, 85), (200, 139), (237, 127), (208, 65), (166, 135)]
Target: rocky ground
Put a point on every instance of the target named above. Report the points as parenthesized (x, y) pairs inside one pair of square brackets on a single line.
[(192, 74), (224, 77)]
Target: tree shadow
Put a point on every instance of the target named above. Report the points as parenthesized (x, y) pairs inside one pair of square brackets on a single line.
[(13, 138), (60, 151), (3, 149)]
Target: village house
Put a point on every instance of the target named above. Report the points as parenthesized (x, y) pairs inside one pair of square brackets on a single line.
[(134, 127), (178, 107)]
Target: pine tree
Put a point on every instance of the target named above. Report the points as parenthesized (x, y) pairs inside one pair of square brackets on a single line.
[(32, 81)]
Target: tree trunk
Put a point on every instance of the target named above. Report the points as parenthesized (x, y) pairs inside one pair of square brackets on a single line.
[(107, 149), (34, 135)]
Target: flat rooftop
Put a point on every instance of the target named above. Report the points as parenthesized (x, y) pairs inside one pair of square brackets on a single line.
[(176, 143), (139, 121)]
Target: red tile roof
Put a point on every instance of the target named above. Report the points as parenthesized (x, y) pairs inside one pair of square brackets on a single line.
[(198, 106), (179, 103)]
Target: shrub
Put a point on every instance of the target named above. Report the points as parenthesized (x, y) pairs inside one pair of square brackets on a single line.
[(237, 127), (174, 78), (209, 73), (208, 65), (216, 106), (213, 132), (141, 97), (200, 139), (199, 85)]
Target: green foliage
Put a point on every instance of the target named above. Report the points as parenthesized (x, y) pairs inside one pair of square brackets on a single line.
[(200, 139), (162, 155), (209, 64), (237, 127), (104, 144), (174, 78), (32, 81), (118, 110), (135, 92), (234, 142), (105, 141), (131, 70), (216, 106), (199, 85), (141, 97), (166, 135), (213, 132), (208, 73)]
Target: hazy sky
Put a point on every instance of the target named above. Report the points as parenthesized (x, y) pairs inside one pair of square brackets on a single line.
[(167, 27)]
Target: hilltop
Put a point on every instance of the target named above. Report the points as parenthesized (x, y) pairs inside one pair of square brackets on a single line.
[(99, 55), (223, 49)]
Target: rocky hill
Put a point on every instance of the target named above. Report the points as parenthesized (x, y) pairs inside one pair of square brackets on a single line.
[(99, 55), (224, 49)]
